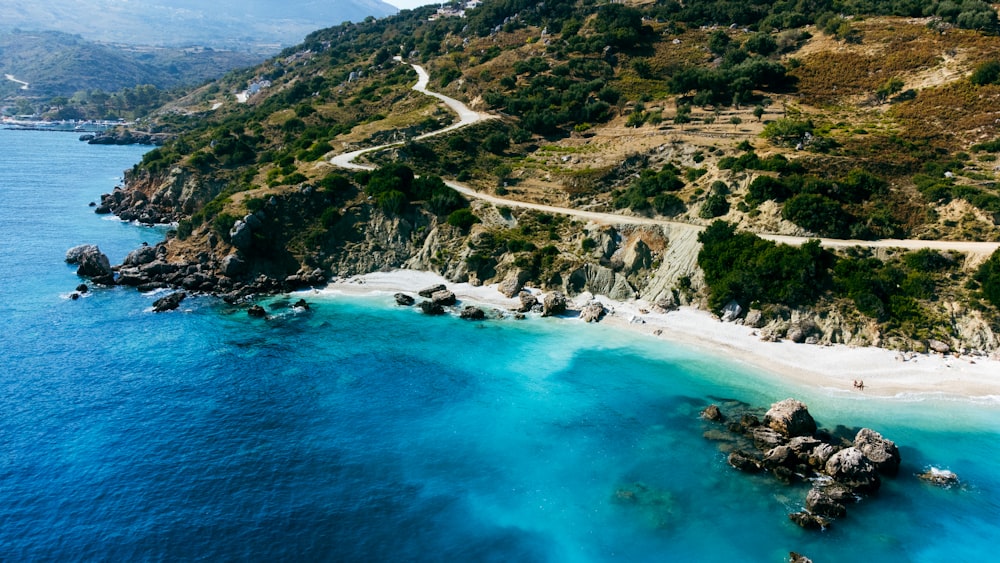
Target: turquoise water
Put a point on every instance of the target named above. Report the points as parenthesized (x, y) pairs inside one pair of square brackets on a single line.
[(364, 432)]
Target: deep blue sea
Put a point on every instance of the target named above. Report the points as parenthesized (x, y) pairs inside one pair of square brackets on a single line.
[(361, 431)]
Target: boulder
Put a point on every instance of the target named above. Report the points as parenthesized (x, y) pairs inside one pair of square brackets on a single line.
[(233, 265), (809, 521), (754, 319), (803, 445), (938, 346), (712, 412), (241, 235), (512, 284), (850, 467), (444, 298), (780, 456), (528, 301), (404, 299), (140, 256), (431, 308), (820, 455), (744, 462), (829, 500), (301, 304), (791, 418), (82, 288), (169, 302), (95, 265), (429, 291), (472, 313), (554, 304), (798, 558), (731, 312), (796, 333), (75, 254), (592, 312), (257, 312), (765, 438), (882, 452)]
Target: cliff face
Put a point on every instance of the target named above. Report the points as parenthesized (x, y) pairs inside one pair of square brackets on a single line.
[(160, 198)]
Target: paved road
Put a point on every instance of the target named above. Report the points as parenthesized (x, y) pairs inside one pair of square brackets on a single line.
[(468, 116)]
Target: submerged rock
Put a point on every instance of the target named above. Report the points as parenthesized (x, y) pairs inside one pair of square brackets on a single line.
[(257, 312), (939, 477), (809, 521), (713, 413)]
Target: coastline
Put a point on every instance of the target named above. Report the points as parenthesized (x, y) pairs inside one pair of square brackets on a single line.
[(886, 374)]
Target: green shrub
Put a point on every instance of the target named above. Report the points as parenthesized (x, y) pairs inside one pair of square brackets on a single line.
[(988, 277), (462, 218)]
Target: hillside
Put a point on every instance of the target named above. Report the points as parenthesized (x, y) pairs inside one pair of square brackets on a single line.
[(258, 26), (58, 64), (860, 120)]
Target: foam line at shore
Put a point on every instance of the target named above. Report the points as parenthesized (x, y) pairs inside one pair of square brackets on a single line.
[(832, 368)]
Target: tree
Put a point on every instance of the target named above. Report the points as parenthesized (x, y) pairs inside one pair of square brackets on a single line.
[(891, 86), (986, 73), (758, 112)]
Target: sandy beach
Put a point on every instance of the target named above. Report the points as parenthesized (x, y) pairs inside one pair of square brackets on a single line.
[(886, 373)]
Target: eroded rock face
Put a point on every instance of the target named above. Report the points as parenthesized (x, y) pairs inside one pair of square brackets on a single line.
[(850, 467), (790, 418), (882, 452)]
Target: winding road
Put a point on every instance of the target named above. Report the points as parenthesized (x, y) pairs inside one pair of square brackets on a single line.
[(24, 85), (468, 116)]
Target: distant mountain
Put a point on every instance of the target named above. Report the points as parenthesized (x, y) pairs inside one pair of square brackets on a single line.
[(59, 64), (261, 25)]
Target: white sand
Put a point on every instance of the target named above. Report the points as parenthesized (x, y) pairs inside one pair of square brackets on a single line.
[(885, 372)]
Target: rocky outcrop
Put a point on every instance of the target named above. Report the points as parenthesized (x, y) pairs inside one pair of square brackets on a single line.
[(444, 298), (528, 301), (850, 467), (592, 312), (431, 308), (404, 299), (429, 291), (789, 447), (472, 313), (882, 452), (91, 263), (790, 418), (554, 304), (512, 284), (169, 302)]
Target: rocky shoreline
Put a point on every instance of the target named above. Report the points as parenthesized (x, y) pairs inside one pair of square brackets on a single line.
[(125, 137), (787, 443)]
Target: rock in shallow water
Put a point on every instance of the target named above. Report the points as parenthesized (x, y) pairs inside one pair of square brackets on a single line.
[(169, 302), (790, 418)]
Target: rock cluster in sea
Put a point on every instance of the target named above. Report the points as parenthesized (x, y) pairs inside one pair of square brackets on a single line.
[(787, 443)]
